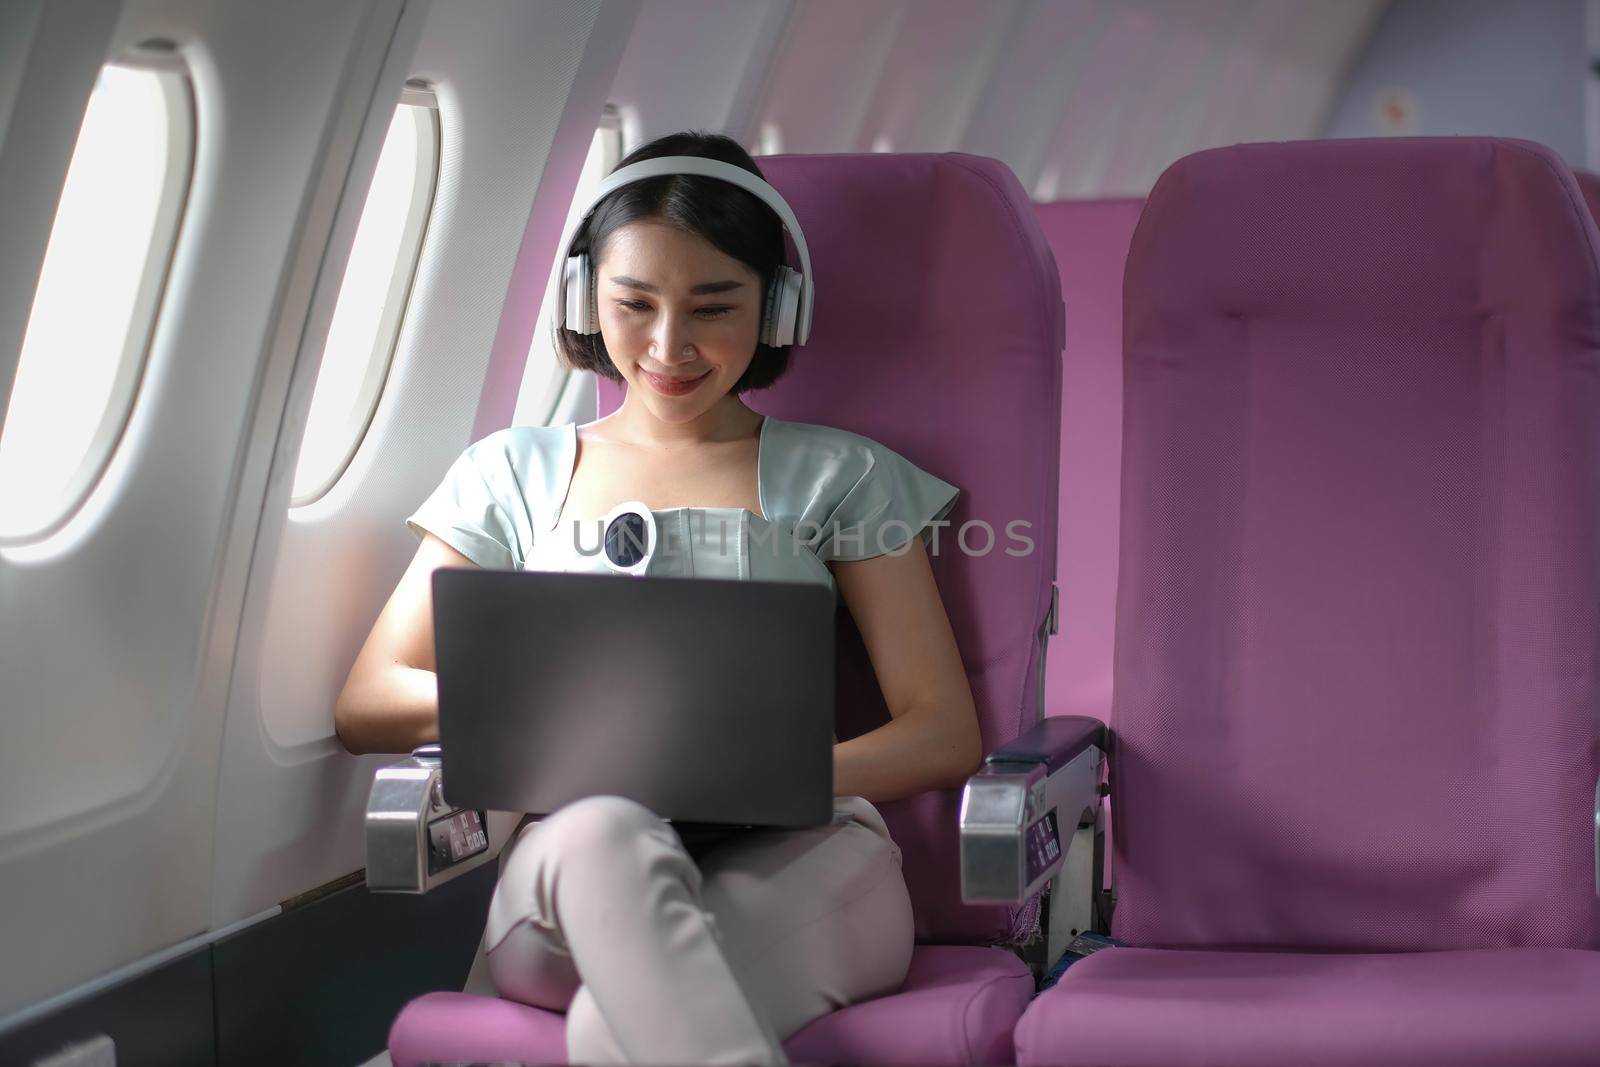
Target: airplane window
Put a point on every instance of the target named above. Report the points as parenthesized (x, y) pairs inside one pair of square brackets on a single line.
[(541, 383), (372, 297), (100, 286)]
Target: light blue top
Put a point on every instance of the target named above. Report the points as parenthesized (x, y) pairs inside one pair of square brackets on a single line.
[(825, 494)]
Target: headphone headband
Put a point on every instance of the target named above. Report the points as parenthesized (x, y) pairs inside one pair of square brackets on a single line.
[(706, 168)]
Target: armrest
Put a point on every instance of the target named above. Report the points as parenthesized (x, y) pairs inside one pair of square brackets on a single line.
[(415, 840), (1017, 808), (1054, 741)]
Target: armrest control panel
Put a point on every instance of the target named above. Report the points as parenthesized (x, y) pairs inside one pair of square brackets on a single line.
[(415, 840), (1015, 811)]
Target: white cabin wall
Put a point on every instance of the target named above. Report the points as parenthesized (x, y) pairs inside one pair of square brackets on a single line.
[(1475, 67), (520, 87), (20, 21), (117, 634)]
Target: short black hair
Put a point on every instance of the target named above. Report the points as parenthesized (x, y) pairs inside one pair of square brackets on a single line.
[(736, 222)]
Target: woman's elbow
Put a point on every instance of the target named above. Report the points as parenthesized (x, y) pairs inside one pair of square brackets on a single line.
[(349, 725), (971, 759)]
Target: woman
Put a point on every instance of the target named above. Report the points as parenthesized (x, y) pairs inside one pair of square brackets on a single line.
[(713, 949)]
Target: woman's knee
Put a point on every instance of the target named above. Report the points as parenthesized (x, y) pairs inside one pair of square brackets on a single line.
[(596, 827), (600, 822), (589, 844), (593, 840)]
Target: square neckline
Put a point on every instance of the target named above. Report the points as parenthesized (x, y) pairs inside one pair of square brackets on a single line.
[(761, 498)]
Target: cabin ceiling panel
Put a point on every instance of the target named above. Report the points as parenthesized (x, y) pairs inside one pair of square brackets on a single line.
[(934, 75), (1162, 78), (1081, 98), (693, 64), (827, 69), (1261, 32), (1481, 68), (1018, 110), (1310, 68), (1189, 63), (1102, 101)]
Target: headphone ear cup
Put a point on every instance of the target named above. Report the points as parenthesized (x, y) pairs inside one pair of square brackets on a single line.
[(769, 308), (579, 312), (783, 307)]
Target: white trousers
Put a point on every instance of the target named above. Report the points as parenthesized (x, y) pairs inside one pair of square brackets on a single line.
[(713, 953)]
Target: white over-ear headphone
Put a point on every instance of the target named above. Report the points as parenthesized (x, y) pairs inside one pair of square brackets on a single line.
[(786, 305)]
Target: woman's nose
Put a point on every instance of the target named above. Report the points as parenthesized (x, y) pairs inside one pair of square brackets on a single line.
[(674, 340)]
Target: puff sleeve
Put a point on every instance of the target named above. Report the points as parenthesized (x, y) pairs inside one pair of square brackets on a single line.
[(892, 500), (468, 513)]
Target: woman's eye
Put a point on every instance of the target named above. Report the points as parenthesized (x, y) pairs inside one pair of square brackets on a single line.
[(713, 312)]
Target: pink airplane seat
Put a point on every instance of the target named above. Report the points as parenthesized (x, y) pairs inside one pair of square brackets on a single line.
[(1356, 719), (1589, 186), (937, 332)]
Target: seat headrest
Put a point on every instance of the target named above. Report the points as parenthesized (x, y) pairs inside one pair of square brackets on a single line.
[(1461, 224)]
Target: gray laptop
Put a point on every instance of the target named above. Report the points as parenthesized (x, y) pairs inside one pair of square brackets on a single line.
[(710, 701)]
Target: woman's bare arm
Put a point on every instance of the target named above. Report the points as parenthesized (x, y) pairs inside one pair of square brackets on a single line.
[(932, 740), (390, 702)]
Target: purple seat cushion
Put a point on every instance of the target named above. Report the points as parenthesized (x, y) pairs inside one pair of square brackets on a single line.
[(465, 1027), (959, 1005), (1358, 600), (1127, 1007), (938, 332)]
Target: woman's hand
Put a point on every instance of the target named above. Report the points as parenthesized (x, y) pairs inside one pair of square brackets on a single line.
[(932, 740)]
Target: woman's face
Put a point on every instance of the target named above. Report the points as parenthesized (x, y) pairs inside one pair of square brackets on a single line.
[(679, 317)]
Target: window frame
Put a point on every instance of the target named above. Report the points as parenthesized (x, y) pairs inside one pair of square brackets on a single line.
[(559, 380), (420, 98), (160, 58)]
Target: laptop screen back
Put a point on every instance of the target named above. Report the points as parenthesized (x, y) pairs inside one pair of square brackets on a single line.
[(707, 700)]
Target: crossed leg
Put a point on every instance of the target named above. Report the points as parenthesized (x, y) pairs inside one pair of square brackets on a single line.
[(714, 961)]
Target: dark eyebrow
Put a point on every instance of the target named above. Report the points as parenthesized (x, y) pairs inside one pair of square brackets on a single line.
[(700, 290)]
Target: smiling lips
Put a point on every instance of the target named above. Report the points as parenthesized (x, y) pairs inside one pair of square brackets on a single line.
[(673, 386)]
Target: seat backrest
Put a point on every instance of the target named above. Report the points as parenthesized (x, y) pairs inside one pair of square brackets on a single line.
[(1089, 239), (937, 332), (1357, 633), (1589, 186)]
